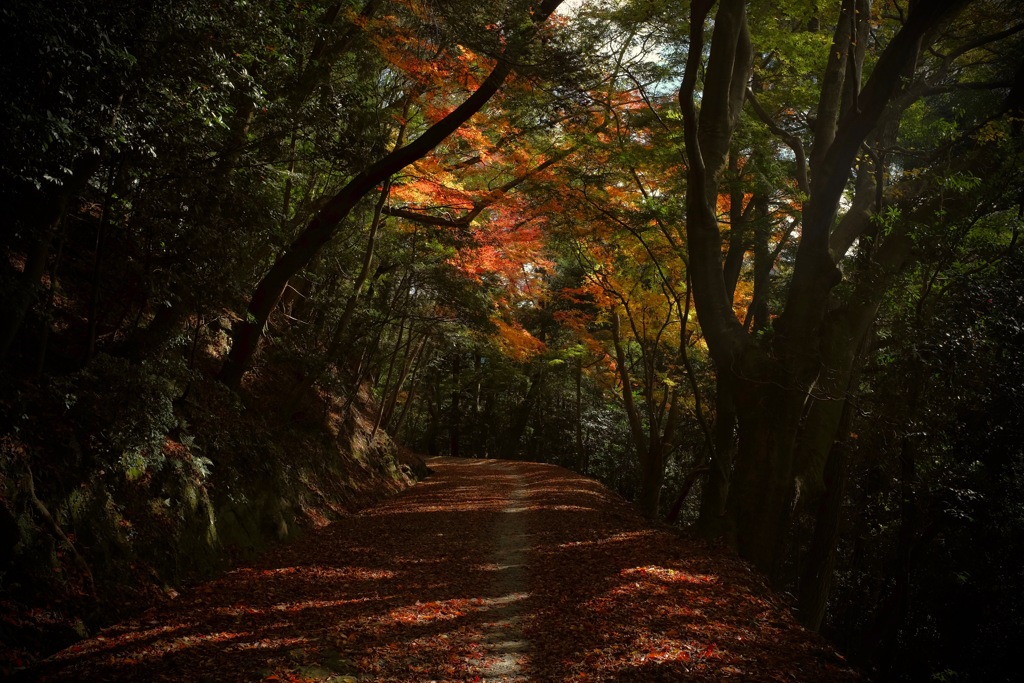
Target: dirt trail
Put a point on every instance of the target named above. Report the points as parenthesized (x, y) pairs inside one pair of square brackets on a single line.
[(486, 571), (506, 648)]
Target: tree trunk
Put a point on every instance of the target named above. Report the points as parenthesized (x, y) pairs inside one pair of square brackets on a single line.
[(455, 421), (711, 521), (413, 385), (816, 580), (521, 417), (773, 385), (434, 428), (409, 359), (93, 315), (582, 457), (882, 644), (762, 482), (384, 392), (652, 481), (763, 263), (41, 219), (335, 345)]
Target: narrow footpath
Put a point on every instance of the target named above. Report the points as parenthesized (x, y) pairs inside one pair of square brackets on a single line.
[(486, 571)]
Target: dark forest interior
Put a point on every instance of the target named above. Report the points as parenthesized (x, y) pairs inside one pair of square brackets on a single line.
[(754, 266)]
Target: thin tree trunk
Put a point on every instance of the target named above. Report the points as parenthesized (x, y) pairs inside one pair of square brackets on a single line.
[(334, 346), (97, 264), (45, 212), (521, 416), (44, 343), (434, 428), (455, 421), (383, 387), (716, 483), (582, 457), (881, 643), (390, 396), (413, 385)]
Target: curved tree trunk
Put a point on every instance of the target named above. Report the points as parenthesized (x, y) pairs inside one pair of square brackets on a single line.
[(325, 223)]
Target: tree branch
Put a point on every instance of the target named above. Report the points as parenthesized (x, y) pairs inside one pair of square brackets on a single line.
[(792, 141)]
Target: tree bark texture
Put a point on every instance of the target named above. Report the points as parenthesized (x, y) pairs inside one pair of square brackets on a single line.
[(805, 371), (816, 577)]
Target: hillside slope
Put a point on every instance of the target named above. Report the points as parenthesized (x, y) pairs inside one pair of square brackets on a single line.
[(122, 484)]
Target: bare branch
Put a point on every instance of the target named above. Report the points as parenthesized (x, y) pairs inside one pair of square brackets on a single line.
[(792, 141)]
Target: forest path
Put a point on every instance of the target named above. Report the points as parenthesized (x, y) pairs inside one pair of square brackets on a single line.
[(486, 571)]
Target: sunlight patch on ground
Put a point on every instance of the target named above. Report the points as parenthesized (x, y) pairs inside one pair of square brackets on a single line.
[(265, 643), (655, 652), (504, 600), (164, 648), (427, 612), (446, 507), (316, 604), (362, 574), (496, 567), (563, 491), (650, 647), (667, 574), (320, 572), (617, 538), (108, 642), (487, 567), (413, 561)]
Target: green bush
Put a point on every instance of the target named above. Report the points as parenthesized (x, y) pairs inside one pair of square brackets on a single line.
[(124, 410)]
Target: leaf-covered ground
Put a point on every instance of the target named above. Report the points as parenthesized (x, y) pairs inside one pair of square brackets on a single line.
[(486, 571)]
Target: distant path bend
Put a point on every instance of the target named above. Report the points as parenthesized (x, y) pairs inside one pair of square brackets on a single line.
[(486, 571)]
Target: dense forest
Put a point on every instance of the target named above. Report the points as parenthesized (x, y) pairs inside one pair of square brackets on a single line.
[(754, 265)]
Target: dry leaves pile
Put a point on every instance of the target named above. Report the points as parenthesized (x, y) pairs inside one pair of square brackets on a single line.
[(429, 587)]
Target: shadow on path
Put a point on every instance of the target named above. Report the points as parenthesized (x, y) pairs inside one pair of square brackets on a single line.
[(487, 571)]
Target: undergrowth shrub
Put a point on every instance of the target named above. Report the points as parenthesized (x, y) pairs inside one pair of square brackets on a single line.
[(124, 410)]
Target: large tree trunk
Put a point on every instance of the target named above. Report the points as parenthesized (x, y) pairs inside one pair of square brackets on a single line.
[(772, 385), (816, 578), (716, 482), (652, 480), (762, 483)]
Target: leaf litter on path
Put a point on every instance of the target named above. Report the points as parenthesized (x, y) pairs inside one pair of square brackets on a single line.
[(486, 571)]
